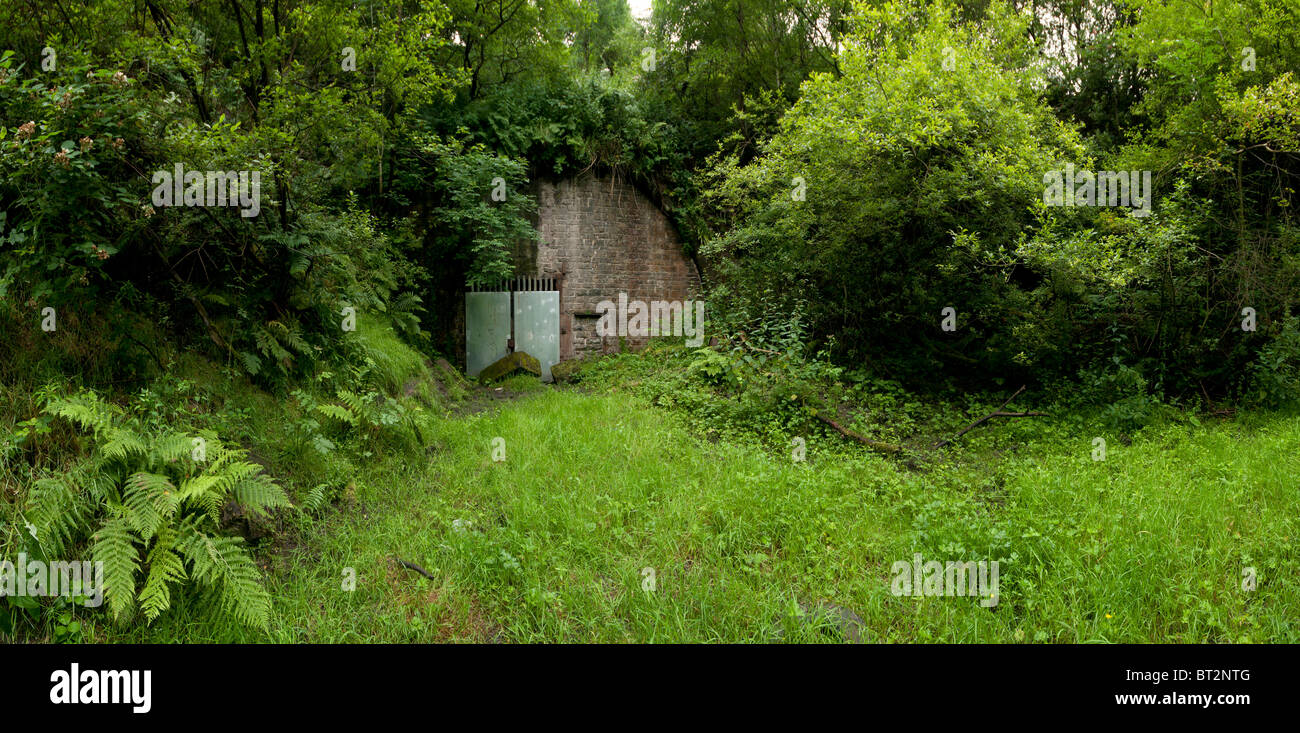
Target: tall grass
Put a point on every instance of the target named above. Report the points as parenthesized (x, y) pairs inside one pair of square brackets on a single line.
[(552, 543)]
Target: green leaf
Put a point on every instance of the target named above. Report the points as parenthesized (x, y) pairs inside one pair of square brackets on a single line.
[(115, 548)]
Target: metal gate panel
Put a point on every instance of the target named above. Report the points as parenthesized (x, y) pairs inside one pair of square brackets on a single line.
[(537, 327), (487, 330)]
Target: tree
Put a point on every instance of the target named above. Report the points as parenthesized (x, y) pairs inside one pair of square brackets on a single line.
[(894, 189)]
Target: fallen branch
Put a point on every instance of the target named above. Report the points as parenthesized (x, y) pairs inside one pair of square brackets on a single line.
[(416, 568), (996, 413), (873, 444)]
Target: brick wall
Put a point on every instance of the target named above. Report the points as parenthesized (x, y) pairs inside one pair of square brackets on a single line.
[(601, 236)]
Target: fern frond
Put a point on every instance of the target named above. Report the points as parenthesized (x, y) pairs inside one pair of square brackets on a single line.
[(270, 346), (194, 489), (296, 340), (86, 410), (122, 444), (193, 543), (172, 447), (356, 403), (218, 455), (316, 498), (252, 364), (235, 472), (223, 563), (58, 507), (127, 493), (242, 590), (289, 334), (222, 483), (165, 567), (99, 482), (259, 493), (115, 548), (150, 498), (338, 412)]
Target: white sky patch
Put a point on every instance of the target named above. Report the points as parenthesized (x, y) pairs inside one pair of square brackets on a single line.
[(640, 9)]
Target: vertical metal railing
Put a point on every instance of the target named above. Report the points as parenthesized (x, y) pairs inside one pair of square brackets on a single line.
[(519, 284)]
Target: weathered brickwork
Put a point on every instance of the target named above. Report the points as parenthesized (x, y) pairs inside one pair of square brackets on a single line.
[(601, 236)]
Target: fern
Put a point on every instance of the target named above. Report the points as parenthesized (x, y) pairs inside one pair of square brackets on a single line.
[(270, 346), (146, 496), (338, 412), (58, 508), (317, 498), (375, 414), (259, 494), (86, 410), (221, 563), (290, 335), (356, 403), (115, 548), (150, 500), (252, 364), (165, 569), (172, 447), (123, 444)]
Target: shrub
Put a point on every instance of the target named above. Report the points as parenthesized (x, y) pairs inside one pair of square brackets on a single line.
[(1275, 374)]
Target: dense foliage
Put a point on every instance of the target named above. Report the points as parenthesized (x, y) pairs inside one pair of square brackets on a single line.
[(913, 181)]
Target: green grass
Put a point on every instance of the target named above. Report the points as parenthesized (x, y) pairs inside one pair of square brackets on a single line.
[(550, 544), (393, 363), (520, 383)]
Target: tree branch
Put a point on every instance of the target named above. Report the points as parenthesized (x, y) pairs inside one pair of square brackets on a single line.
[(996, 413), (873, 444)]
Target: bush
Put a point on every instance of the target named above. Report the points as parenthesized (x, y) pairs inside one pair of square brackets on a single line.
[(893, 191), (1275, 374)]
